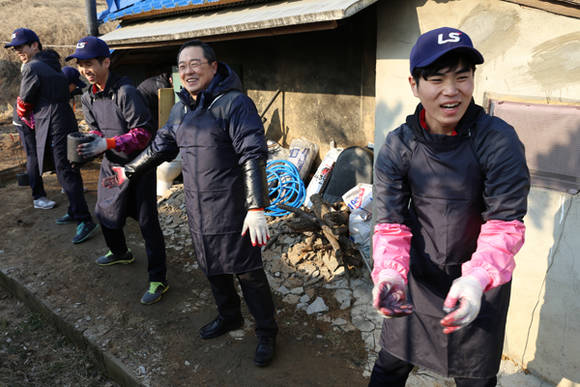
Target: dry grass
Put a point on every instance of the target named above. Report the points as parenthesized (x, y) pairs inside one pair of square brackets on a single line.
[(59, 25)]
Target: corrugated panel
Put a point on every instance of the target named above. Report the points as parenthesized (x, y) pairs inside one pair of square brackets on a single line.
[(270, 15), (122, 9)]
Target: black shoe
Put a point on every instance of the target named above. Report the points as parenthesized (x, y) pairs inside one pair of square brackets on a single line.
[(111, 259), (265, 350), (84, 231), (219, 326)]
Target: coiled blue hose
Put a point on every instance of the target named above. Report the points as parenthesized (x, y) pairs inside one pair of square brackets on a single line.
[(284, 187)]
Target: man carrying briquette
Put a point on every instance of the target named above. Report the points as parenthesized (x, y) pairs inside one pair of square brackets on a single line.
[(121, 125)]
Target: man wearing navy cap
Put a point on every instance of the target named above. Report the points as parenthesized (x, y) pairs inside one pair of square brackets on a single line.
[(23, 44), (43, 106), (451, 192), (121, 125)]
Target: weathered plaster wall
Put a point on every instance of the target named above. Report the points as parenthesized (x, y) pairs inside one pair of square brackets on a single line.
[(327, 79), (528, 52)]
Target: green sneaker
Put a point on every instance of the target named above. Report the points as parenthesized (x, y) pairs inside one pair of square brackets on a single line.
[(153, 295), (84, 231), (112, 259), (66, 219)]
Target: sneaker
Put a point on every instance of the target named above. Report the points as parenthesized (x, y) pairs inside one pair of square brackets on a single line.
[(85, 189), (85, 230), (66, 219), (153, 295), (43, 203), (112, 259)]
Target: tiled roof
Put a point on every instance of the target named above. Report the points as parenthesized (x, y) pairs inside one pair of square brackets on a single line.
[(137, 9)]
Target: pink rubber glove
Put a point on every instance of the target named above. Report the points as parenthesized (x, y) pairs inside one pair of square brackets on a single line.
[(115, 180), (29, 121), (493, 261), (390, 296), (255, 221), (465, 295), (391, 246)]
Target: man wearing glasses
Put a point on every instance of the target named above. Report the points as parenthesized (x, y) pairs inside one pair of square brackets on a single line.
[(223, 150), (121, 127), (43, 106)]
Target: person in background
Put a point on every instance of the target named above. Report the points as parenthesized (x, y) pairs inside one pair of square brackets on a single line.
[(223, 148), (27, 136), (148, 89), (28, 140), (43, 106), (451, 193), (75, 85), (121, 127)]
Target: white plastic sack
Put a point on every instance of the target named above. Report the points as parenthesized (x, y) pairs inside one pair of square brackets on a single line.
[(321, 175), (359, 196), (166, 173), (302, 154)]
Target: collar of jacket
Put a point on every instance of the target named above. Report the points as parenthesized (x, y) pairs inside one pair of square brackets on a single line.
[(48, 56), (463, 128), (114, 81)]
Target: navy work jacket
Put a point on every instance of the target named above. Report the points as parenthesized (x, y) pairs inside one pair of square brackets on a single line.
[(444, 188), (115, 111), (216, 134), (45, 87)]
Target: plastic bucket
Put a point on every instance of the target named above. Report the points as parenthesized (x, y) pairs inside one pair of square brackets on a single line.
[(22, 179)]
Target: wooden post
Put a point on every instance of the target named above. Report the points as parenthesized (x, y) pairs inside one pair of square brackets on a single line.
[(166, 102)]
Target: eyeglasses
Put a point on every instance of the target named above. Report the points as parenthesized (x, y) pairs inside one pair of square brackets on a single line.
[(194, 65)]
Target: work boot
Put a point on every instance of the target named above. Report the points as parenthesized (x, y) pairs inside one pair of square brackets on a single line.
[(219, 326), (153, 294), (265, 350), (66, 219), (112, 259), (85, 230), (43, 203)]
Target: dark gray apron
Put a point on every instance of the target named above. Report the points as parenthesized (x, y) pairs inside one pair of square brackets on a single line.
[(446, 206)]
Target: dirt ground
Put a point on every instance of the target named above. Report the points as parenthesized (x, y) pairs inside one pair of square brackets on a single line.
[(33, 353), (159, 344)]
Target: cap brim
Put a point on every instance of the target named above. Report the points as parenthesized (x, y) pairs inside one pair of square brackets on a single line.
[(81, 57), (15, 43), (478, 58)]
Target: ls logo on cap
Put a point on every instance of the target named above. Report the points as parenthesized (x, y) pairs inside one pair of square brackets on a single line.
[(453, 37), (81, 44), (13, 36)]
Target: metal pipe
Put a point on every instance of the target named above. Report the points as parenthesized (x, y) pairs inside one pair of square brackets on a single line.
[(93, 26)]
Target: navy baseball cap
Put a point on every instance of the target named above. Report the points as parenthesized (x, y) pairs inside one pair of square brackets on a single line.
[(73, 76), (22, 36), (433, 44), (90, 47)]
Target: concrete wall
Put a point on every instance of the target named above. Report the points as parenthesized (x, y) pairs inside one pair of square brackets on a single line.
[(528, 52), (326, 78), (327, 81)]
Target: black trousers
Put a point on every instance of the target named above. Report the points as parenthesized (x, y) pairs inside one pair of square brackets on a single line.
[(257, 295), (147, 216), (70, 179), (393, 372), (28, 138)]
